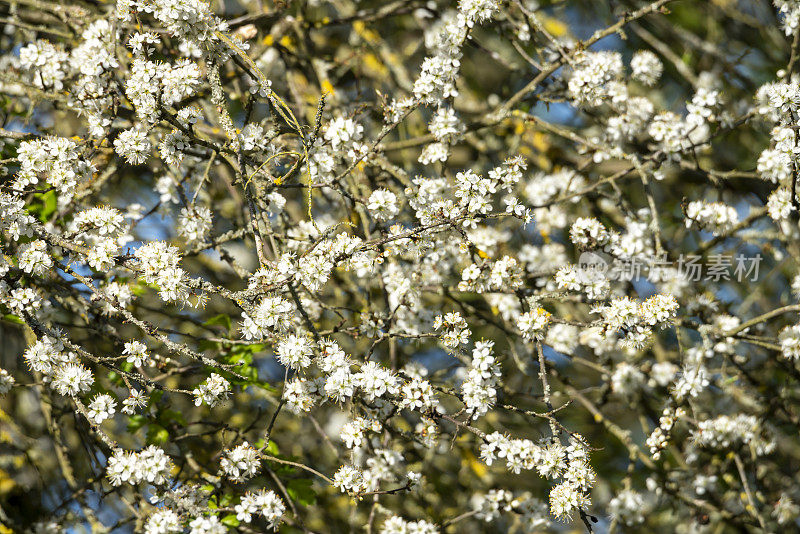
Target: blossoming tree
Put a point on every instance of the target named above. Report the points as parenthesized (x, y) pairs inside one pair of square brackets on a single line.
[(400, 267)]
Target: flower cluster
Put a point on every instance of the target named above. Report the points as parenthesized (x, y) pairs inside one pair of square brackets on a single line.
[(634, 321), (159, 264), (479, 390), (265, 503), (725, 432), (322, 247), (552, 460), (715, 217), (240, 462), (150, 465), (213, 391), (533, 324)]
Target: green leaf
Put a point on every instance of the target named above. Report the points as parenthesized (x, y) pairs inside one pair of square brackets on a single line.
[(205, 344), (230, 520), (135, 422), (43, 205), (220, 320), (155, 397), (266, 387), (115, 378), (171, 416), (157, 435), (272, 448), (300, 490), (138, 289), (248, 349), (11, 318)]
